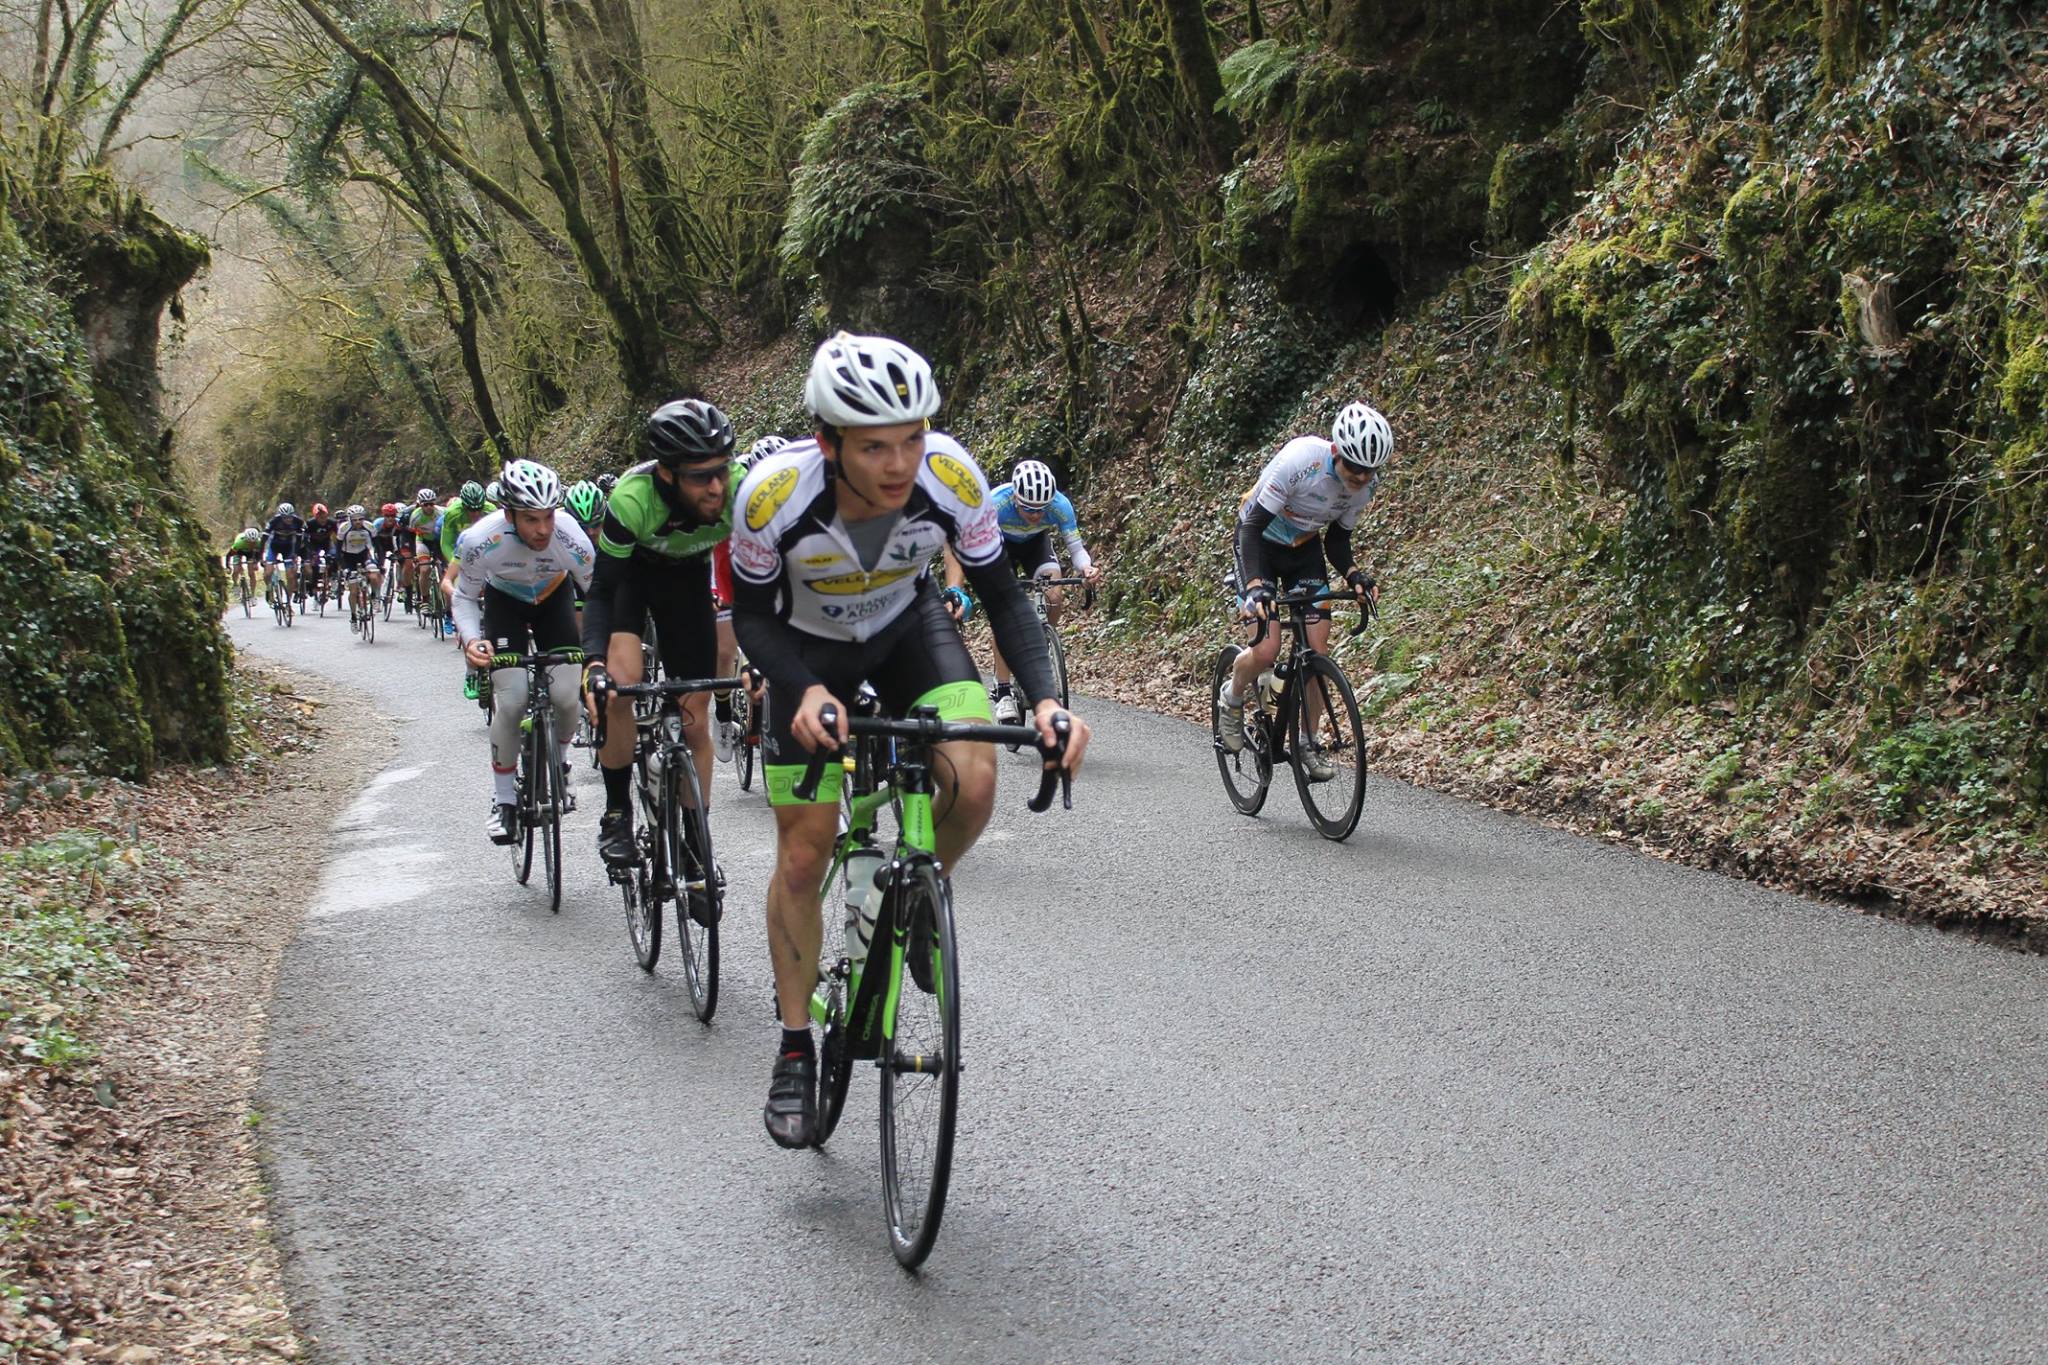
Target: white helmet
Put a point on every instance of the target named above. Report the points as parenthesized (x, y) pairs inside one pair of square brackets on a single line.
[(252, 532), (355, 510), (1362, 437), (869, 382), (425, 497), (1033, 485), (761, 450), (530, 486), (285, 509)]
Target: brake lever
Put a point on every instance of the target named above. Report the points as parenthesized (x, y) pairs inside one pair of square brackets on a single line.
[(1063, 726), (814, 771)]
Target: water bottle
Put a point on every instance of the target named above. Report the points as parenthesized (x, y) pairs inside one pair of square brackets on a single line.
[(1270, 688), (863, 901)]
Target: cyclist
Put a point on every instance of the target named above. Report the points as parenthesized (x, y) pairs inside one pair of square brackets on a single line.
[(241, 557), (283, 537), (1029, 508), (654, 550), (384, 537), (422, 522), (1313, 489), (510, 568), (606, 483), (355, 547), (470, 505), (832, 587), (585, 504), (319, 545), (762, 449)]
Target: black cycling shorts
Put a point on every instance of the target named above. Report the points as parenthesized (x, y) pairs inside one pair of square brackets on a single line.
[(917, 653), (676, 593), (351, 559), (1297, 568), (550, 621), (1032, 553)]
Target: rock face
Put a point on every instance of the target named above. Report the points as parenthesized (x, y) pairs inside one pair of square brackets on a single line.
[(111, 652)]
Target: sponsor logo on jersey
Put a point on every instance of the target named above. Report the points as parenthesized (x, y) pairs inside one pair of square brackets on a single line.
[(853, 584), (957, 477), (856, 611), (751, 556), (820, 561), (767, 500)]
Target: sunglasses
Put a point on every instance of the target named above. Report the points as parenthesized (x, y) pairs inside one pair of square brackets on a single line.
[(703, 478)]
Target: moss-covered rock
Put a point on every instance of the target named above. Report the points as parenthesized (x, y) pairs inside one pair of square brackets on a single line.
[(111, 651)]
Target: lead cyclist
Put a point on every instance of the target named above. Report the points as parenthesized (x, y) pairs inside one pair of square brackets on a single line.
[(832, 545)]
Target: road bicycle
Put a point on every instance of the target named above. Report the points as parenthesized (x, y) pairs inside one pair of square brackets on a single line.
[(390, 588), (541, 785), (1055, 652), (362, 605), (277, 593), (909, 1030), (671, 838), (1303, 712), (246, 590)]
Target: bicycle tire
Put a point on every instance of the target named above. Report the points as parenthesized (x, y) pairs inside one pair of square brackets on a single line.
[(1056, 654), (921, 1073), (248, 601), (1248, 773), (547, 806), (835, 1072), (369, 625), (637, 886), (698, 942), (743, 730), (522, 844), (1341, 736)]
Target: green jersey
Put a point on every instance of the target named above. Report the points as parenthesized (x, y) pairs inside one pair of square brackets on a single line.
[(458, 519), (646, 514), (246, 544)]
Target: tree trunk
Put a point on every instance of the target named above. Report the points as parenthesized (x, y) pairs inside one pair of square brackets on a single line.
[(1194, 59)]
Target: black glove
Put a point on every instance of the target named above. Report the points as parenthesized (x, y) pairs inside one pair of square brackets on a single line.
[(1362, 581), (1259, 600)]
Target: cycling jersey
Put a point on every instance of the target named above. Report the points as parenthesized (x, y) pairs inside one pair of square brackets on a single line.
[(353, 537), (791, 533), (492, 554), (646, 514), (319, 534), (384, 534), (282, 536), (420, 522), (246, 544), (457, 519), (1302, 489), (1059, 516)]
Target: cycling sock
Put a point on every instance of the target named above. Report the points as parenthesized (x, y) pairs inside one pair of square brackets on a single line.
[(618, 784), (1230, 697), (502, 786), (796, 1042), (722, 707)]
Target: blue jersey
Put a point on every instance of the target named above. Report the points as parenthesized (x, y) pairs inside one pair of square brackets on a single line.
[(1059, 515)]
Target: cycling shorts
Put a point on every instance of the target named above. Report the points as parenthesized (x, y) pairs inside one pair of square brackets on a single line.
[(353, 559), (1033, 555), (919, 659), (508, 620), (1297, 568), (676, 594)]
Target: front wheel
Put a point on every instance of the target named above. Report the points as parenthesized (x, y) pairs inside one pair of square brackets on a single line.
[(1056, 655), (699, 902), (547, 802), (1248, 773), (920, 1063), (743, 722), (1328, 753), (639, 884), (522, 800)]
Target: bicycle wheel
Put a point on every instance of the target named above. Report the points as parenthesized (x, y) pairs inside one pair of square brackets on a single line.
[(921, 1072), (835, 1068), (1337, 739), (547, 803), (522, 846), (248, 605), (369, 624), (1056, 654), (697, 900), (1248, 773), (743, 726), (637, 885)]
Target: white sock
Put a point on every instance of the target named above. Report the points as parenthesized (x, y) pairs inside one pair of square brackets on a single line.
[(1230, 697), (502, 784)]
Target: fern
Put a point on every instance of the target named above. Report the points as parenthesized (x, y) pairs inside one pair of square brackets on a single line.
[(1256, 78)]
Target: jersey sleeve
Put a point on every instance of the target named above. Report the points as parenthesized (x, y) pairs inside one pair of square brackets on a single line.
[(756, 535), (582, 556), (956, 485), (1272, 487), (468, 605)]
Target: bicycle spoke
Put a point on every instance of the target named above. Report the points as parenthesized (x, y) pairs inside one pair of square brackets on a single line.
[(921, 1077), (1329, 762), (1248, 773)]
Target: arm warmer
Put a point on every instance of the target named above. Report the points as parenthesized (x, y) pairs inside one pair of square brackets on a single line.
[(597, 606), (1251, 545), (1337, 548), (769, 641)]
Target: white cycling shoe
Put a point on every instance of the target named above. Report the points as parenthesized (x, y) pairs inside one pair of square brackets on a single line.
[(1007, 711)]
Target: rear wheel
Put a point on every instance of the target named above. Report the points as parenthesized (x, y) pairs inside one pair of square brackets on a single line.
[(522, 800), (1248, 773), (743, 729), (698, 902), (1328, 755), (921, 1067)]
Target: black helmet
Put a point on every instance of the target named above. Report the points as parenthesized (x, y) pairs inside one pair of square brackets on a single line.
[(687, 431), (606, 483)]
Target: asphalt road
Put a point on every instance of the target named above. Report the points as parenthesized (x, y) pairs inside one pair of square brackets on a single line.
[(1462, 1088)]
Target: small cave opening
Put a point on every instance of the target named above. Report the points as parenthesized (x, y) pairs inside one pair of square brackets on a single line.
[(1357, 291)]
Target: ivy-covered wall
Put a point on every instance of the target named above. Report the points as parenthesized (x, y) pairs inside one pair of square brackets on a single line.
[(111, 651)]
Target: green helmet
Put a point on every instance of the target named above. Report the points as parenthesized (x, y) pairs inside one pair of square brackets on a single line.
[(584, 502), (472, 495)]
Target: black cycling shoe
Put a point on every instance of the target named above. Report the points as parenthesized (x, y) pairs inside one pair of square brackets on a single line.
[(503, 826), (615, 838), (701, 907), (791, 1113)]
